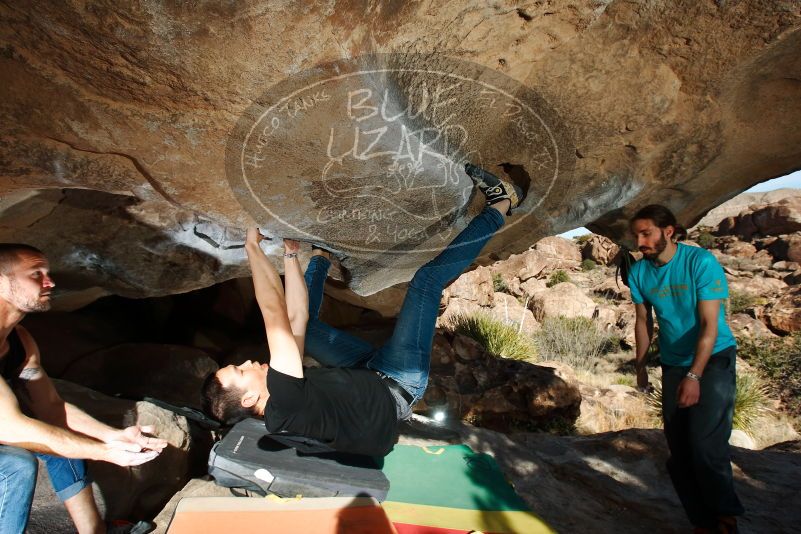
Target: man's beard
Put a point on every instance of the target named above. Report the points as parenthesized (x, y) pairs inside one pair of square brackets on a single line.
[(660, 246), (27, 305)]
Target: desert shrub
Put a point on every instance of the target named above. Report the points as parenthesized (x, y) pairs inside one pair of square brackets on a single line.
[(588, 265), (706, 240), (751, 401), (576, 341), (595, 417), (739, 301), (778, 361), (496, 337), (626, 380), (557, 277), (583, 238), (499, 285)]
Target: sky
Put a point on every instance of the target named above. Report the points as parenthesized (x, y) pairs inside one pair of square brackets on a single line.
[(792, 180)]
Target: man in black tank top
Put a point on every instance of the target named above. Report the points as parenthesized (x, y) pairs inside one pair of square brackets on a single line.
[(354, 403), (46, 427)]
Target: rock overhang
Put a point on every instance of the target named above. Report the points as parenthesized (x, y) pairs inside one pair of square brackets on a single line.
[(116, 122)]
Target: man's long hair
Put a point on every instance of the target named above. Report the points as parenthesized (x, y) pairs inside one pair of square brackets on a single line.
[(223, 404), (662, 217)]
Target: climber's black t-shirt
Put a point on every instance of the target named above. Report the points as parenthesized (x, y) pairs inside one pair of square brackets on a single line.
[(350, 410)]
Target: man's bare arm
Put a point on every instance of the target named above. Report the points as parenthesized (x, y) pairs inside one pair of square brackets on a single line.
[(297, 294), (689, 392), (18, 430), (642, 341), (284, 354), (48, 406), (708, 311)]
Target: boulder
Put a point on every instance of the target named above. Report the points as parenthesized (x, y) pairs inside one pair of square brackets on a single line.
[(614, 289), (467, 348), (533, 286), (386, 302), (475, 286), (786, 266), (599, 249), (625, 324), (65, 337), (442, 354), (605, 409), (740, 249), (787, 248), (562, 370), (563, 299), (606, 316), (761, 286), (564, 251), (141, 180), (782, 217), (523, 266), (521, 395), (793, 278), (458, 307), (508, 310), (741, 439), (743, 324), (741, 203), (171, 373), (496, 392), (784, 315)]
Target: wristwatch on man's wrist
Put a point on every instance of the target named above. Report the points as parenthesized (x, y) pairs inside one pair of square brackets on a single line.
[(693, 376)]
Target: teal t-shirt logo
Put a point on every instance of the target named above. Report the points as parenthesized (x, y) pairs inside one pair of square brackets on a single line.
[(674, 289)]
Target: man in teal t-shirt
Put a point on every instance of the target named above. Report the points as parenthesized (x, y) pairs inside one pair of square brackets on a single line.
[(685, 286)]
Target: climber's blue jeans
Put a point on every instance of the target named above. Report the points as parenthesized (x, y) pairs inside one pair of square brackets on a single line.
[(406, 356), (18, 468)]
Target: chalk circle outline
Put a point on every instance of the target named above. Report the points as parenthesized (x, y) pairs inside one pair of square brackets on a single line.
[(237, 155)]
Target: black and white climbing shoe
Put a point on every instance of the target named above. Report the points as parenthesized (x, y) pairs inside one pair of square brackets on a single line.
[(494, 189)]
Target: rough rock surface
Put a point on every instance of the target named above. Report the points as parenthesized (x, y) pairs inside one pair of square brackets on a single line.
[(170, 373), (787, 248), (116, 118), (564, 299), (741, 203), (776, 218), (599, 249), (495, 392), (563, 250), (784, 315)]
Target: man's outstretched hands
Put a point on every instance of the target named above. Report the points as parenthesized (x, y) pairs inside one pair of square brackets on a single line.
[(254, 236), (131, 446), (291, 246), (137, 435), (126, 454)]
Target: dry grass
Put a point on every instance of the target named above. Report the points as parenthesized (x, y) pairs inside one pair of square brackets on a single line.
[(576, 341), (496, 337), (596, 417)]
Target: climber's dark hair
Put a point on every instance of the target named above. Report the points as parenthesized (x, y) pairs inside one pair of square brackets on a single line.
[(661, 217)]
